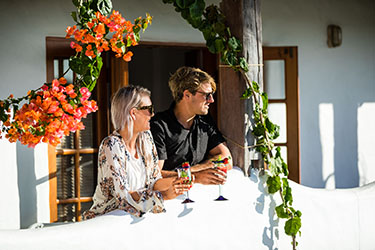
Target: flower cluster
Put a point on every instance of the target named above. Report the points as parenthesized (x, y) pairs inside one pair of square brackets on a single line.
[(57, 108), (49, 113), (91, 39)]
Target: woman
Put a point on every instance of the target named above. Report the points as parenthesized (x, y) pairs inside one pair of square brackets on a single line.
[(128, 174)]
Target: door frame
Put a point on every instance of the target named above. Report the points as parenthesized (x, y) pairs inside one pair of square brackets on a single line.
[(290, 57)]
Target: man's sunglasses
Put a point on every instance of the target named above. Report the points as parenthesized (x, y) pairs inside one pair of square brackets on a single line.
[(150, 108), (207, 95)]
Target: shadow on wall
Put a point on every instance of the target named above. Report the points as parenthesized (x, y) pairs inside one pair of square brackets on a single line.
[(338, 125), (331, 159), (26, 185), (270, 232)]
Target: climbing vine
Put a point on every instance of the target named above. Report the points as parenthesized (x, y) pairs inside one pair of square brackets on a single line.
[(212, 23)]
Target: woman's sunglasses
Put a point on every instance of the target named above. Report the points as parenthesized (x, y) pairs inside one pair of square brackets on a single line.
[(150, 108)]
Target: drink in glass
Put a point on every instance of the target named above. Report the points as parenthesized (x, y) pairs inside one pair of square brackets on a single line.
[(221, 164), (184, 173)]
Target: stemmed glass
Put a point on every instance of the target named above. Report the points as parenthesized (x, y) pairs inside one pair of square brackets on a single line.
[(221, 165), (185, 173)]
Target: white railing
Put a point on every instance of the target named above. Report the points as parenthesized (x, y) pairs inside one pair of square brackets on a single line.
[(332, 219)]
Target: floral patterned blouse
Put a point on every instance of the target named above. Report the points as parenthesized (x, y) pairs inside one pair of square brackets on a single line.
[(112, 191)]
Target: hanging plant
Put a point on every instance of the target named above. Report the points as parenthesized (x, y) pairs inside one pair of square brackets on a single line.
[(57, 108), (212, 23)]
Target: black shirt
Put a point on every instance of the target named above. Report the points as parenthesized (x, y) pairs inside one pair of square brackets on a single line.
[(175, 144)]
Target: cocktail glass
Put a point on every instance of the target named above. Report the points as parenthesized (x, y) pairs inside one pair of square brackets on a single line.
[(184, 172), (222, 166)]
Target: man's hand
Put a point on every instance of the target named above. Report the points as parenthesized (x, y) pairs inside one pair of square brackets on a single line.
[(210, 177)]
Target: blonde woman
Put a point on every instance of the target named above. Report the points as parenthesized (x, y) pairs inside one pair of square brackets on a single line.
[(128, 174)]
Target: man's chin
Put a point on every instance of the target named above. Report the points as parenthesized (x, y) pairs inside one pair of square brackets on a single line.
[(204, 112)]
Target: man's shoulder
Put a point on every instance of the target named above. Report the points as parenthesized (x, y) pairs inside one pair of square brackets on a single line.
[(162, 117), (206, 120)]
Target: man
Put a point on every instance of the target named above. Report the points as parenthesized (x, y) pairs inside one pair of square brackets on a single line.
[(185, 132)]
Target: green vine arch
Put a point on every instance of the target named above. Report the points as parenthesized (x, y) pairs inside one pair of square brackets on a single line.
[(219, 40)]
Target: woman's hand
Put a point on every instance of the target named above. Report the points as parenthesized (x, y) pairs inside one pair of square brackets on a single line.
[(179, 187)]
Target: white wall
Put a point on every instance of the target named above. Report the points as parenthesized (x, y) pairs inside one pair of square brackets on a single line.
[(340, 82), (341, 76)]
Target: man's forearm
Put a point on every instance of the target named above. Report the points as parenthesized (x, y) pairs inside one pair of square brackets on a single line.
[(202, 166), (167, 173)]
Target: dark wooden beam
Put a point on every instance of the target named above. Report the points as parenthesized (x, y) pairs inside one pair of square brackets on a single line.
[(244, 19)]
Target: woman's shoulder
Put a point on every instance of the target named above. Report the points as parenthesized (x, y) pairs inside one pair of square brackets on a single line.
[(147, 133), (111, 140)]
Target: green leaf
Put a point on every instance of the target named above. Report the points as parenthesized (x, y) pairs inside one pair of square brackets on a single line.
[(281, 212), (278, 152), (136, 29), (219, 45), (234, 44), (104, 6), (275, 133), (82, 10), (246, 94), (298, 213), (99, 62), (270, 126), (74, 16), (75, 64), (259, 130), (210, 43), (219, 28), (265, 102), (196, 9), (144, 25), (255, 86), (195, 22), (3, 115), (273, 184), (292, 226), (275, 166), (285, 169), (288, 197), (243, 64), (180, 3), (91, 86), (232, 59), (76, 2)]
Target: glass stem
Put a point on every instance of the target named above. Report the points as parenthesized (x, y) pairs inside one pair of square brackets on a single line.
[(220, 191)]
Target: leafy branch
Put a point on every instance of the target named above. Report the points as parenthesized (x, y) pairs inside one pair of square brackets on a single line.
[(212, 23)]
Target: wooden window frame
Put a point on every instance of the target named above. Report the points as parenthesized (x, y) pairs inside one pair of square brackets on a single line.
[(290, 57), (57, 47)]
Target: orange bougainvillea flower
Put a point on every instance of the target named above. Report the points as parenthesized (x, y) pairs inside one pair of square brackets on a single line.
[(90, 24), (128, 56), (100, 28), (50, 114), (70, 31)]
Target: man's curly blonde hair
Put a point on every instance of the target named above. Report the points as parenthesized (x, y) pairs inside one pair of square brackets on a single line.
[(188, 78)]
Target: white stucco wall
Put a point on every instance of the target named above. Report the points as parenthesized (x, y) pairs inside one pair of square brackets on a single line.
[(343, 77), (340, 82)]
